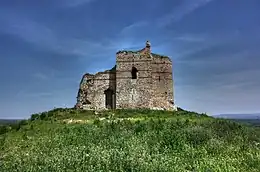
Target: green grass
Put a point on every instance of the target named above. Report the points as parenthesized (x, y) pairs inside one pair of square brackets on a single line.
[(129, 140)]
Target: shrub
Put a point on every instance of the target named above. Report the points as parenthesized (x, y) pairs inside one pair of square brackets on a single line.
[(225, 127), (44, 116), (97, 122), (35, 117), (198, 136), (3, 129), (15, 126), (23, 122), (180, 109)]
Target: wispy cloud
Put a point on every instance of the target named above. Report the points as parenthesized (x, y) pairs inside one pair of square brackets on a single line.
[(190, 38), (24, 94), (134, 27), (28, 30), (75, 3), (41, 36), (40, 76), (185, 8), (140, 30), (83, 47)]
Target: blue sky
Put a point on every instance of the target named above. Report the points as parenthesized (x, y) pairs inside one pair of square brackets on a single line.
[(46, 46)]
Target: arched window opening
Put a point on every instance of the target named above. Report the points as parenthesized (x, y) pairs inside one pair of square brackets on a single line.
[(134, 73)]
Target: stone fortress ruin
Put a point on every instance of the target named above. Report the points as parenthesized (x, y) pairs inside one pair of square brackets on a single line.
[(140, 79)]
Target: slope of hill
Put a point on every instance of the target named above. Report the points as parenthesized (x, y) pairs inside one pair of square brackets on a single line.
[(253, 119), (239, 116), (129, 140)]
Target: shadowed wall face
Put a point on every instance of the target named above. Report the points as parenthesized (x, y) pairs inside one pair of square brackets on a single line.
[(163, 95)]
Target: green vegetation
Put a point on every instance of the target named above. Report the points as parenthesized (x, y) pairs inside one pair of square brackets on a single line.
[(128, 140)]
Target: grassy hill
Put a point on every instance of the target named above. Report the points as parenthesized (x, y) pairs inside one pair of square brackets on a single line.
[(128, 140)]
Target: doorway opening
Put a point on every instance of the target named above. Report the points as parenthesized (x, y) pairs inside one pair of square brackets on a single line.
[(110, 99)]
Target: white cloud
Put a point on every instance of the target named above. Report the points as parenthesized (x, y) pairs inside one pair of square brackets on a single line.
[(133, 27), (40, 76), (131, 35), (74, 3), (28, 30), (24, 94), (190, 38), (186, 7), (41, 36)]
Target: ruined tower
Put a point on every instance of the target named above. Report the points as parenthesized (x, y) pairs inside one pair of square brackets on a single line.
[(140, 79)]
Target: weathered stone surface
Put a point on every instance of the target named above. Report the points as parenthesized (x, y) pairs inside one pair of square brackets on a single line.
[(150, 86)]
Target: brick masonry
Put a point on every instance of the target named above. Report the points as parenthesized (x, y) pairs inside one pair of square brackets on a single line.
[(140, 79)]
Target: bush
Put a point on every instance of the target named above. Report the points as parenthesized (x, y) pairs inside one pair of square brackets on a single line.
[(198, 136), (35, 117), (44, 115), (224, 128), (180, 109), (3, 129), (15, 126), (23, 122)]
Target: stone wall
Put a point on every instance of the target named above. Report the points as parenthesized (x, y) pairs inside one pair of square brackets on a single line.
[(92, 92), (116, 88), (162, 83), (133, 93)]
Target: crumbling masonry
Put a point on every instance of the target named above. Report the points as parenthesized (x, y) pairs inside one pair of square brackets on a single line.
[(139, 79)]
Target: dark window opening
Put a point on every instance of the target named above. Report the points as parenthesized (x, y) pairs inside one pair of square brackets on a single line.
[(134, 73), (86, 102), (90, 81), (159, 78)]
